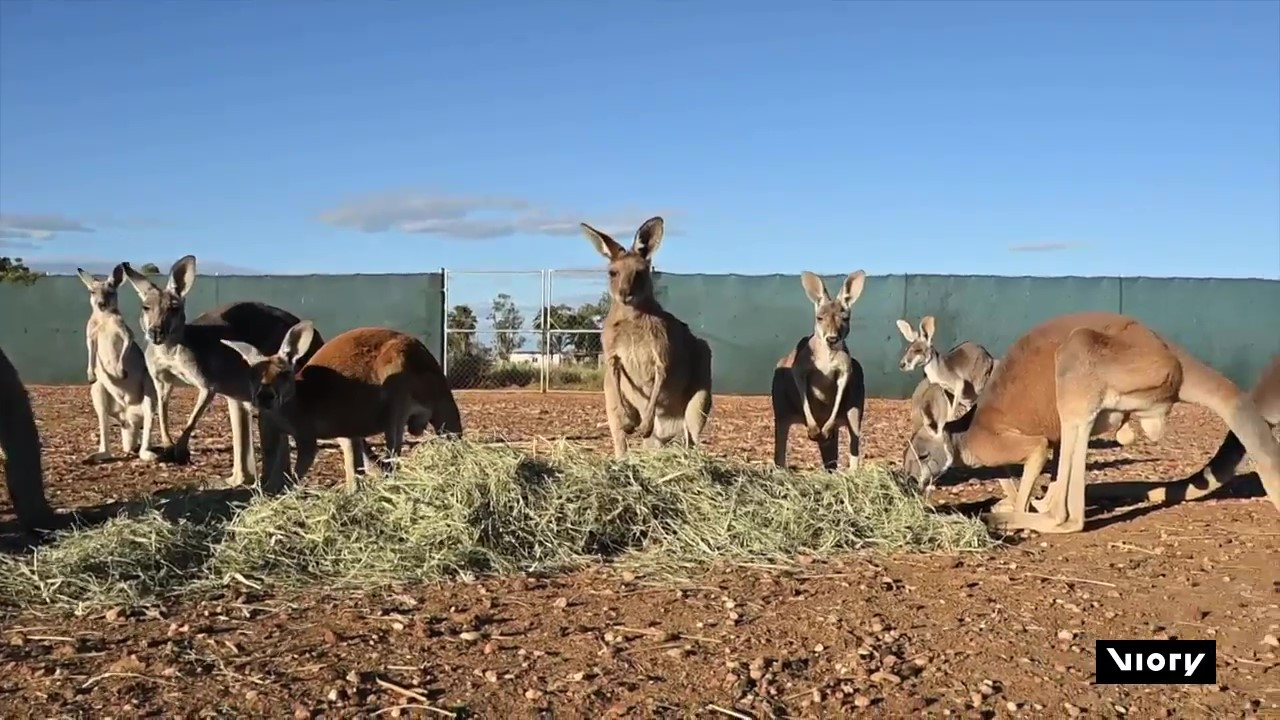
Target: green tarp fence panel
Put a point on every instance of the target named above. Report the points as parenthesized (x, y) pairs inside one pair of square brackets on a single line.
[(42, 325), (750, 321)]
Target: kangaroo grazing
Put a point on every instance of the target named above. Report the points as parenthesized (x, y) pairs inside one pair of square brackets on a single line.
[(121, 387), (1222, 468), (963, 371), (192, 353), (20, 442), (1072, 377), (362, 382), (819, 381), (658, 373)]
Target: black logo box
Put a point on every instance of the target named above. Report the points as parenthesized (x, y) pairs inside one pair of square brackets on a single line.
[(1156, 662)]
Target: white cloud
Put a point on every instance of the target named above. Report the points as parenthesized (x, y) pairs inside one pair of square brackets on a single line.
[(23, 228), (1043, 247), (480, 217)]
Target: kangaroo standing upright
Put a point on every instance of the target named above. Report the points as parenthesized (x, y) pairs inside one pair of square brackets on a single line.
[(657, 372), (192, 353), (121, 387), (819, 381)]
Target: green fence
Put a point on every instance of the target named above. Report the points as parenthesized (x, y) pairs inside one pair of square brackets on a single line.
[(42, 325), (750, 321)]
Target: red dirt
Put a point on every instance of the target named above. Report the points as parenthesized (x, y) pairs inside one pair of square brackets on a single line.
[(1005, 634)]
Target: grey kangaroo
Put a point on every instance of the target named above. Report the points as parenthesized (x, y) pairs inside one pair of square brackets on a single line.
[(192, 353)]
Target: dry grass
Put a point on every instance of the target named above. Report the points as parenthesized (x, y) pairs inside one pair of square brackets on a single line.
[(458, 508)]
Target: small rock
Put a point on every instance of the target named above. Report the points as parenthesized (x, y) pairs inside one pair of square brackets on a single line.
[(562, 602), (676, 652), (1066, 635), (882, 677), (1072, 710), (1271, 640), (628, 576), (976, 699), (1011, 706), (861, 701), (301, 712), (333, 696), (491, 675), (532, 694), (470, 636)]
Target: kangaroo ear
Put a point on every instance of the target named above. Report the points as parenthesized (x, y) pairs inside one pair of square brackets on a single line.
[(183, 275), (907, 331), (117, 276), (246, 351), (297, 341), (85, 278), (927, 327), (852, 289), (648, 237), (814, 288), (141, 283), (605, 245)]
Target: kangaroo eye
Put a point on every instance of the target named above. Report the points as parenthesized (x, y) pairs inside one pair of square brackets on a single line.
[(613, 273)]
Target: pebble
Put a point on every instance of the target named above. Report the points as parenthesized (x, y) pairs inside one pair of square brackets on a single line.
[(1011, 706), (861, 701), (1066, 635), (470, 636), (532, 694), (1271, 640)]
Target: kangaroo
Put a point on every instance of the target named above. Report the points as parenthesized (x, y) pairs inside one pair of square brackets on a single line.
[(1072, 377), (658, 373), (1222, 468), (822, 376), (362, 382), (20, 441), (191, 353), (963, 371), (121, 386), (932, 407)]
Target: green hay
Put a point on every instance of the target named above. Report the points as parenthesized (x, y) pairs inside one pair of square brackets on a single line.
[(459, 508)]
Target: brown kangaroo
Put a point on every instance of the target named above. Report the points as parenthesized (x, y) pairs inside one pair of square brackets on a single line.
[(657, 372), (362, 382), (1072, 377)]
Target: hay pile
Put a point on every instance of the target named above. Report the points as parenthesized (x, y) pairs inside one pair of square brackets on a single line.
[(456, 508)]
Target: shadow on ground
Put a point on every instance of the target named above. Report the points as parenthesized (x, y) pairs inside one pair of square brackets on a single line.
[(175, 504)]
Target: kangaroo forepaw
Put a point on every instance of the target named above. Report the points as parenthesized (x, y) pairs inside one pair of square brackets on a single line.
[(645, 429), (815, 432)]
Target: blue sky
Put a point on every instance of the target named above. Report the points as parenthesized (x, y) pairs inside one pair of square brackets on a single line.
[(1035, 138)]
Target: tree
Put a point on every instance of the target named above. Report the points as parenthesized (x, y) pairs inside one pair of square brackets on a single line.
[(15, 271), (463, 318), (558, 317), (591, 317), (149, 269), (507, 321)]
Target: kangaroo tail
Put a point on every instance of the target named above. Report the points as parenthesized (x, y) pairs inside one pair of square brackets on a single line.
[(1204, 386)]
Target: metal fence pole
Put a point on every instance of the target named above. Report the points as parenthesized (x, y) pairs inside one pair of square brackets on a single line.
[(444, 321)]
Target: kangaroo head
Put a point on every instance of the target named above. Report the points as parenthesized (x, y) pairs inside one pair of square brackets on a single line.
[(164, 312), (103, 294), (919, 343), (272, 384), (630, 271), (930, 451), (831, 316)]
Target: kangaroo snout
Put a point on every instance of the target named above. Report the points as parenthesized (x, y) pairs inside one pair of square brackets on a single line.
[(832, 339)]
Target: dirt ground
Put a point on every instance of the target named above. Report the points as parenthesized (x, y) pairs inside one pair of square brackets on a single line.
[(1005, 634)]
